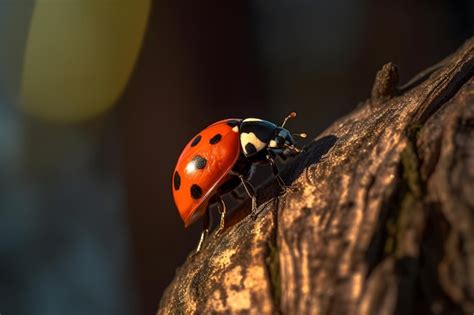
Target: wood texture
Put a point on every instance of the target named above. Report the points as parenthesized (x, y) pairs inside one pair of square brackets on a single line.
[(379, 220)]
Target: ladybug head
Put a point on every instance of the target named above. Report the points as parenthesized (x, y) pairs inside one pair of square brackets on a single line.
[(282, 141), (257, 135)]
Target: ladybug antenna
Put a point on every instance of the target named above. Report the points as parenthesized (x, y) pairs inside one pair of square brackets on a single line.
[(301, 135), (291, 115)]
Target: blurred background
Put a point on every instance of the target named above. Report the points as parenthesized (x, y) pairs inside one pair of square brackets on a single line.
[(97, 99)]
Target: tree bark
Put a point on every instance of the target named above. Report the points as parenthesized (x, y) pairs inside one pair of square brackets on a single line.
[(379, 218)]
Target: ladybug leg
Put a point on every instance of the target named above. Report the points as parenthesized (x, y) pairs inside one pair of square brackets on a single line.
[(222, 211), (251, 192), (205, 230), (276, 173)]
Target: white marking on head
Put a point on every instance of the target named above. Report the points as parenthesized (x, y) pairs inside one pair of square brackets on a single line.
[(273, 144), (235, 129), (250, 137)]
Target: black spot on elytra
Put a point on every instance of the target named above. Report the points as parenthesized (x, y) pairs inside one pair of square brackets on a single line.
[(215, 139), (233, 123), (196, 191), (196, 141), (199, 162), (250, 148), (176, 181)]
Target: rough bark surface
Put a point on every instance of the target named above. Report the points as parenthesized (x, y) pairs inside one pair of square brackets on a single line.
[(379, 220)]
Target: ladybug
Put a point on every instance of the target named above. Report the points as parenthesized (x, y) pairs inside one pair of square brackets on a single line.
[(222, 157)]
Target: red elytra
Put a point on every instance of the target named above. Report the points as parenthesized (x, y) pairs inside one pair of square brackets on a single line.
[(216, 148)]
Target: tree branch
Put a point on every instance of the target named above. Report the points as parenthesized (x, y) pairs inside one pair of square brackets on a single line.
[(380, 220)]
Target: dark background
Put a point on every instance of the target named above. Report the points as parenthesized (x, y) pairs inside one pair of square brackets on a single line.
[(87, 221)]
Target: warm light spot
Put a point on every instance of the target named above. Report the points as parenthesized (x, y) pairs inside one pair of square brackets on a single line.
[(191, 167), (79, 56)]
